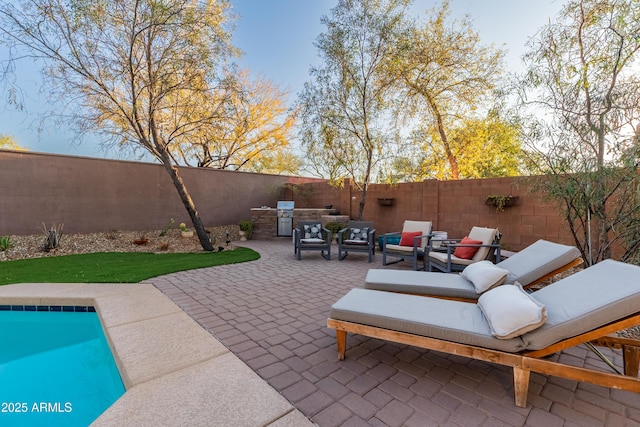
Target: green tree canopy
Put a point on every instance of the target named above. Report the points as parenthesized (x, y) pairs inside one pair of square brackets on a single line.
[(138, 71), (446, 76), (483, 148), (582, 90), (253, 129), (346, 119)]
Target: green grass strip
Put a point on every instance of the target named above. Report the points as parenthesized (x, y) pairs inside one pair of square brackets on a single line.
[(114, 267)]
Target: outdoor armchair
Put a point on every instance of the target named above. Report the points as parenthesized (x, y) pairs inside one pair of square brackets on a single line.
[(358, 236), (414, 237), (482, 243), (311, 236)]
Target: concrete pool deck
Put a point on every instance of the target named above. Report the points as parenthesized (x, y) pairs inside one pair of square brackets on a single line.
[(174, 372)]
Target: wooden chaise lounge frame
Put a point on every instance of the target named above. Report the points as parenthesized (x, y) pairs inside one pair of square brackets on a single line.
[(525, 362)]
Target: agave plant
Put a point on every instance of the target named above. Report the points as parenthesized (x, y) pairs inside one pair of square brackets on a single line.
[(52, 236), (5, 243)]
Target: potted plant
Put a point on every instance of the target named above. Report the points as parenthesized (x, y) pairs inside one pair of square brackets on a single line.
[(335, 227), (185, 231), (388, 201), (246, 229), (501, 201)]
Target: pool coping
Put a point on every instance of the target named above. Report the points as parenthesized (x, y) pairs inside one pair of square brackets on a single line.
[(174, 371)]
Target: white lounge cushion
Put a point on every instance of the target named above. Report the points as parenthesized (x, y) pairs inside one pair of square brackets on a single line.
[(511, 312), (397, 248), (484, 275), (442, 258)]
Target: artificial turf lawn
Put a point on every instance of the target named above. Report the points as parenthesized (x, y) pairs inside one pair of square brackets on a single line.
[(114, 267)]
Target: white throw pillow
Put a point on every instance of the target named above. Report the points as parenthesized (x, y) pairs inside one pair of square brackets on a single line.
[(511, 311), (484, 275)]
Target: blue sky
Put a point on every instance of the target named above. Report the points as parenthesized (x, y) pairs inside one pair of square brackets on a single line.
[(277, 39)]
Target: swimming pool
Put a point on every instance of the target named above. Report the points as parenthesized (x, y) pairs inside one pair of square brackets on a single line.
[(56, 367)]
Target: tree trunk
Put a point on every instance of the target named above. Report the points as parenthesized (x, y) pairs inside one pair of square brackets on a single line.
[(363, 200), (453, 162), (205, 241)]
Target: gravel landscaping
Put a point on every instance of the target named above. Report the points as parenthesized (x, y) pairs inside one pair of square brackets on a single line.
[(31, 246)]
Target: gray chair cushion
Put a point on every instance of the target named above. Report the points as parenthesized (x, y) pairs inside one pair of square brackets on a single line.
[(455, 321), (537, 260), (418, 282), (593, 297)]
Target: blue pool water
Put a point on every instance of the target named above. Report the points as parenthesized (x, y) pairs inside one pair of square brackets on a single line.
[(56, 369)]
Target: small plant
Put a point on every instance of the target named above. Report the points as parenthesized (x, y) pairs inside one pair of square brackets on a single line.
[(166, 228), (185, 231), (334, 227), (141, 240), (500, 201), (164, 246), (5, 243), (52, 236), (113, 234), (246, 225)]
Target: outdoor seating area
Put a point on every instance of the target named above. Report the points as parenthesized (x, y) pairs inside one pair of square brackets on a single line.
[(276, 323)]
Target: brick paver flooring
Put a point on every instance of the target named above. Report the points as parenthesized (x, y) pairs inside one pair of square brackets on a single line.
[(272, 314)]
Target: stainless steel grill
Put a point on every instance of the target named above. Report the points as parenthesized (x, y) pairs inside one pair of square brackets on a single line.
[(285, 217)]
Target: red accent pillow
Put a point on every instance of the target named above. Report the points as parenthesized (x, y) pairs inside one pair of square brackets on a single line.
[(467, 252), (407, 237)]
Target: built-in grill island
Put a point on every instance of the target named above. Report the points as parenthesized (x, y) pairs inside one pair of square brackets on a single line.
[(270, 223)]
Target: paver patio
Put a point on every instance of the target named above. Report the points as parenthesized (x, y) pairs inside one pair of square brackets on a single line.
[(272, 314)]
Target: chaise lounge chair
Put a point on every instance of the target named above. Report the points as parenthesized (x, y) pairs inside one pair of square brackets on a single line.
[(583, 308), (535, 263)]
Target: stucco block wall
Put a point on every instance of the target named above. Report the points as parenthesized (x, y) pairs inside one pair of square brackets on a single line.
[(92, 195), (456, 206)]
